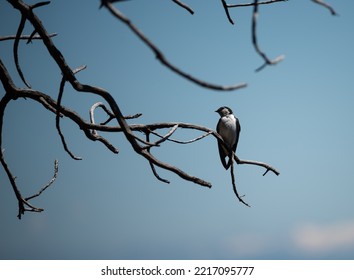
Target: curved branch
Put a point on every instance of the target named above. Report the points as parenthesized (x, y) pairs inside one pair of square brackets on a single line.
[(184, 6), (234, 185), (327, 6), (56, 170), (259, 163), (160, 56), (152, 166), (57, 120), (15, 50), (3, 103), (226, 8), (111, 117), (11, 94), (167, 136), (109, 113), (58, 113), (182, 142), (267, 61)]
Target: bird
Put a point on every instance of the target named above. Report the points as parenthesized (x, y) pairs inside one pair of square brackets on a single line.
[(229, 129)]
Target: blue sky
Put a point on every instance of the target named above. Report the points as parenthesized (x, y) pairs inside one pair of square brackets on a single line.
[(295, 116)]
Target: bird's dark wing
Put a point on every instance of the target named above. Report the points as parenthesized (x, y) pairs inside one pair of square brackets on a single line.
[(234, 147), (222, 152), (238, 131)]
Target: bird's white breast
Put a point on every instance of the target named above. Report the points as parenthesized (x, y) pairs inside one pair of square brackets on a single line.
[(228, 129)]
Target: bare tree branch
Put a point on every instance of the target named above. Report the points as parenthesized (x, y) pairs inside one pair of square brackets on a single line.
[(58, 114), (183, 142), (15, 50), (132, 132), (234, 185), (57, 121), (226, 8), (184, 6), (267, 61), (56, 169), (320, 2), (40, 4), (109, 113), (25, 37), (253, 4), (160, 56), (167, 136), (17, 40), (10, 94), (262, 164), (152, 166), (94, 132)]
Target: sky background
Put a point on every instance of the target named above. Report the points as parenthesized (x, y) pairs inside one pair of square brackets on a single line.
[(296, 116)]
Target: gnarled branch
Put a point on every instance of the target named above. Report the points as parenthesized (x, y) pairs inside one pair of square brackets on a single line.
[(109, 105)]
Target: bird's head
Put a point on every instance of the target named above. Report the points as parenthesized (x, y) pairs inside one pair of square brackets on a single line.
[(224, 111)]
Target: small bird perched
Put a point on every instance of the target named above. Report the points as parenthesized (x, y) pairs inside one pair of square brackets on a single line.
[(229, 129)]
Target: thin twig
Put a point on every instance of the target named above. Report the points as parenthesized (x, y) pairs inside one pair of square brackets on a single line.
[(267, 61), (234, 185), (183, 142), (79, 69), (56, 164), (320, 2), (25, 37), (15, 50), (252, 4), (226, 8), (185, 6), (167, 136), (130, 117), (40, 4), (152, 166), (259, 163)]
